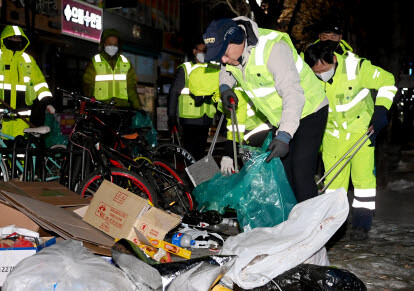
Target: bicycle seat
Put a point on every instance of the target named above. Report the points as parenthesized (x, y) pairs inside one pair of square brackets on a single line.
[(133, 133), (37, 130)]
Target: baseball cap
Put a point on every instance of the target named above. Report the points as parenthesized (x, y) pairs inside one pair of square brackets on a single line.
[(330, 27), (218, 36)]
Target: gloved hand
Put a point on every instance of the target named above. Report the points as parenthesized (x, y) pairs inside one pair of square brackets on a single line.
[(279, 146), (225, 98), (379, 121), (226, 166), (172, 122), (51, 109)]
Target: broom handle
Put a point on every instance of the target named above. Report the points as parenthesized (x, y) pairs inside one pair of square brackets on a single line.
[(17, 113), (236, 168), (213, 144)]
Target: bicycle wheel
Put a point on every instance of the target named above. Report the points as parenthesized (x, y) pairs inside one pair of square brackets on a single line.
[(4, 172), (172, 191), (53, 165), (174, 155), (121, 177)]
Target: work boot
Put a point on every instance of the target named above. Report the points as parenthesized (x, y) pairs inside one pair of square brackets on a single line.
[(359, 234)]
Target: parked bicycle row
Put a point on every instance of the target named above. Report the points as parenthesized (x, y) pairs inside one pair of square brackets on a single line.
[(107, 142)]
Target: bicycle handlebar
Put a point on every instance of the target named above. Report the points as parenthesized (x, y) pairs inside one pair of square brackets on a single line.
[(103, 106)]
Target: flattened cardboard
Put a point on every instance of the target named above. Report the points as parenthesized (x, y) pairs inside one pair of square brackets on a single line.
[(65, 223), (49, 192), (12, 216), (117, 211)]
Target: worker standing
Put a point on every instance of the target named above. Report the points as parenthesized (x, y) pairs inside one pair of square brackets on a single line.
[(110, 77), (191, 98), (21, 81), (347, 80)]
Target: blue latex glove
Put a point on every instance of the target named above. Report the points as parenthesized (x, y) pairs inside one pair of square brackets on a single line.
[(279, 146), (379, 121)]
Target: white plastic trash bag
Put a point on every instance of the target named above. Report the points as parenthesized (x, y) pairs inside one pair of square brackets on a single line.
[(66, 266), (264, 253)]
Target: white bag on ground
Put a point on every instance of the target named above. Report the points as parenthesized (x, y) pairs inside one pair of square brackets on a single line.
[(264, 253), (66, 266)]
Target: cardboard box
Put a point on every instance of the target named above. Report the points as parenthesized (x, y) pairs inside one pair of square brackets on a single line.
[(117, 212), (9, 257), (12, 216)]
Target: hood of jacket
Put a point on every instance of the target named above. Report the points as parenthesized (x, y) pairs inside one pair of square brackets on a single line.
[(250, 28), (12, 30), (105, 34)]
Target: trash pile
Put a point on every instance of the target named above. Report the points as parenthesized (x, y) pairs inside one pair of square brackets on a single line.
[(240, 238)]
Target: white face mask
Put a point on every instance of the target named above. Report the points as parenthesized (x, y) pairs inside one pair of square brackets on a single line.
[(326, 76), (201, 57), (111, 50)]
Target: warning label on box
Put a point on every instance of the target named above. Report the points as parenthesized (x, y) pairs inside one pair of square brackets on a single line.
[(111, 215), (120, 197)]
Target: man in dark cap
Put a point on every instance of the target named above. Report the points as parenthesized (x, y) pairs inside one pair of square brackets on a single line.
[(280, 85), (110, 76), (332, 32)]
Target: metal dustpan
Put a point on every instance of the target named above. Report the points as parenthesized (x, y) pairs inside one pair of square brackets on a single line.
[(207, 167)]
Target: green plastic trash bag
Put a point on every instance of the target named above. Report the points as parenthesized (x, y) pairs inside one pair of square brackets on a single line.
[(54, 136), (144, 120), (260, 192)]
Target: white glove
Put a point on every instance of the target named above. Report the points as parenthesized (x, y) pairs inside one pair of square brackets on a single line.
[(51, 109), (226, 166)]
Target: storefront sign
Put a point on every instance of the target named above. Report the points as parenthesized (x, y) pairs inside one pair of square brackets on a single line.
[(81, 20)]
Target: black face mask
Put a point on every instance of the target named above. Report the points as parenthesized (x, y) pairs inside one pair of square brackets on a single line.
[(332, 44), (14, 45)]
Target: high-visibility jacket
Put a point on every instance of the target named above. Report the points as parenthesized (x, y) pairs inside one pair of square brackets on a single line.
[(248, 117), (350, 103), (110, 83), (259, 85), (21, 81), (200, 80)]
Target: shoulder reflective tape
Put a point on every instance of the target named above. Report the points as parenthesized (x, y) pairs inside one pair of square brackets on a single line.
[(44, 94), (334, 122), (109, 77), (238, 88), (189, 70), (41, 85), (261, 127), (20, 87), (26, 58), (348, 135), (249, 106), (2, 77), (242, 128), (387, 92), (335, 133), (185, 91), (345, 125), (5, 86), (359, 204), (124, 59), (259, 58), (364, 193), (351, 63), (26, 79), (98, 58), (26, 112), (250, 112), (329, 109), (361, 95), (299, 64), (16, 30), (120, 77)]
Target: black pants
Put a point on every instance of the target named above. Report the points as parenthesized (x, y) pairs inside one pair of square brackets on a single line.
[(195, 139), (300, 163)]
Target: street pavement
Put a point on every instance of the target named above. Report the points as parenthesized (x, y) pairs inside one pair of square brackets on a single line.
[(386, 260)]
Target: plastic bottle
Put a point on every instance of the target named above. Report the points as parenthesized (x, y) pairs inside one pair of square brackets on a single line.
[(224, 225), (182, 240)]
